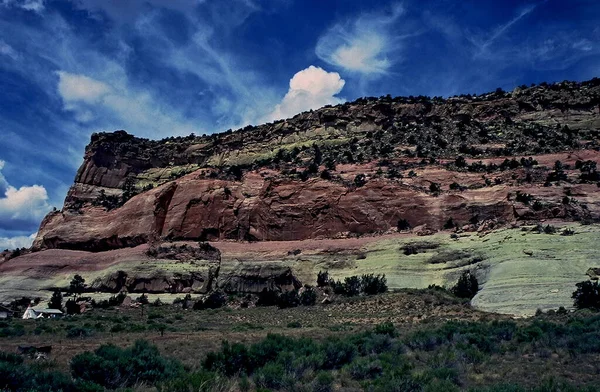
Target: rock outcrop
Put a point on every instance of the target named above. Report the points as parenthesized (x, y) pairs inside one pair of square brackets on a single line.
[(349, 170)]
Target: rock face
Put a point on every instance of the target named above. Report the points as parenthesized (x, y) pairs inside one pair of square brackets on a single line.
[(354, 169)]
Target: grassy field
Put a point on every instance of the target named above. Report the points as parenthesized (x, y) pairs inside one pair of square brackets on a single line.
[(438, 342)]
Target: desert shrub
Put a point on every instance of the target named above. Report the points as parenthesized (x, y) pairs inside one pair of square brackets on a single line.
[(114, 300), (288, 299), (294, 324), (587, 295), (413, 248), (267, 298), (272, 376), (567, 231), (386, 328), (201, 381), (72, 307), (113, 367), (142, 299), (79, 332), (322, 382), (435, 188), (14, 330), (365, 368), (323, 279), (524, 198), (215, 300), (467, 285), (371, 284), (360, 180), (308, 296), (449, 255)]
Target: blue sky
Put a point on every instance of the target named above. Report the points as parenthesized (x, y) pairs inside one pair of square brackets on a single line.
[(158, 68)]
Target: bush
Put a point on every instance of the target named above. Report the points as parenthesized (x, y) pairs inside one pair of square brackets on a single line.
[(289, 299), (467, 285), (308, 296), (79, 332), (267, 298), (113, 367), (587, 295), (272, 375), (386, 328), (323, 279), (372, 285), (216, 300), (56, 300)]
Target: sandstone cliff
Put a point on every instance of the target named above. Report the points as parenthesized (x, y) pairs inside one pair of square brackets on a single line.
[(365, 167)]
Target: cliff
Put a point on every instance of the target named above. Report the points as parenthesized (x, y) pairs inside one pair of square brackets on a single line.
[(366, 167)]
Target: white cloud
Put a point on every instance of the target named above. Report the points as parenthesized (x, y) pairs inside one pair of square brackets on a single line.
[(7, 50), (88, 98), (73, 87), (23, 208), (16, 242), (29, 5), (501, 30), (365, 45), (310, 88)]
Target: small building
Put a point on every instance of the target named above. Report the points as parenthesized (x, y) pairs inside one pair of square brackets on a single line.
[(36, 313), (5, 312)]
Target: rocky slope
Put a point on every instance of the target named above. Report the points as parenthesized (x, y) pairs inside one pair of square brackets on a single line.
[(354, 169), (354, 172)]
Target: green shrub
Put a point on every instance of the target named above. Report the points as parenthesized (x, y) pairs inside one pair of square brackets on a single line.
[(308, 296), (365, 368), (271, 376), (323, 279), (467, 285), (113, 367), (323, 382), (372, 285), (79, 332), (289, 299), (587, 295), (386, 328)]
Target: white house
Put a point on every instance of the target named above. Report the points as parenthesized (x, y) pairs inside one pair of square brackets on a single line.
[(33, 313)]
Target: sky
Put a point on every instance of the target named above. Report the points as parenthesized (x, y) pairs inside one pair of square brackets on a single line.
[(158, 68)]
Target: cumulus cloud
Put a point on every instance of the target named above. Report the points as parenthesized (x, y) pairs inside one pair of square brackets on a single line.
[(310, 88), (23, 208), (16, 242), (73, 87), (365, 45)]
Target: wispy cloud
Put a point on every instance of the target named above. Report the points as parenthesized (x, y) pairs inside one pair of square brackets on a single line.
[(496, 34), (128, 10), (366, 45), (29, 5), (7, 50), (310, 88)]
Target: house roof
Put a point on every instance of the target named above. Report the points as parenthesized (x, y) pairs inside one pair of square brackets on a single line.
[(47, 311), (5, 309)]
